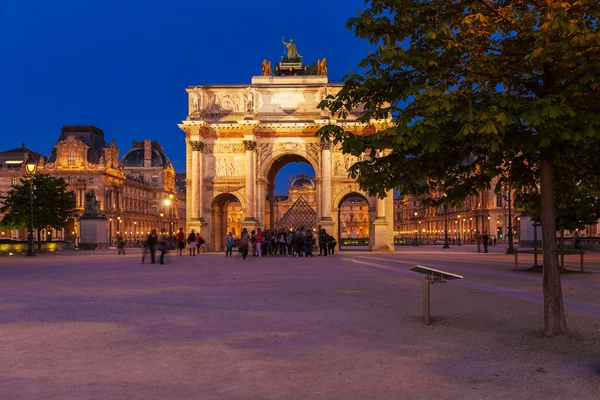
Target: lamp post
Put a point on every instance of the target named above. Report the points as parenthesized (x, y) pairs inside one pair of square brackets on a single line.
[(169, 202), (458, 241), (162, 222), (510, 249), (30, 168), (446, 244), (110, 231)]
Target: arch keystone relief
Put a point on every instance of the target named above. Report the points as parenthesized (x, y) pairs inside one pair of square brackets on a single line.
[(240, 136)]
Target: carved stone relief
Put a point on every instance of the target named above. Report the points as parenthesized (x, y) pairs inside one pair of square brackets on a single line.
[(343, 162), (225, 166)]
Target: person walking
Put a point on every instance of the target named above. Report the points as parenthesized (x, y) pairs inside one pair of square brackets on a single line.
[(259, 240), (485, 237), (180, 241), (478, 240), (199, 242), (145, 250), (192, 243), (162, 247), (244, 240), (229, 245), (152, 241), (120, 245)]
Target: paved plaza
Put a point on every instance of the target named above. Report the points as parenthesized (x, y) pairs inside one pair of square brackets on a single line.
[(101, 326)]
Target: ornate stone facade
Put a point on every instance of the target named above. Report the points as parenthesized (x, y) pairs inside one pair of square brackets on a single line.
[(245, 147), (130, 192)]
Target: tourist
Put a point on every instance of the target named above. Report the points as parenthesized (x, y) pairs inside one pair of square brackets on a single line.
[(299, 242), (322, 237), (180, 241), (290, 243), (495, 240), (309, 242), (253, 243), (331, 242), (145, 250), (282, 242), (229, 245), (192, 243), (478, 240), (152, 241), (244, 240), (259, 242), (486, 238), (199, 242), (121, 245), (162, 247)]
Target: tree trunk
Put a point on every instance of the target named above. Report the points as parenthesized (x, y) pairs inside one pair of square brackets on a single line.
[(554, 311)]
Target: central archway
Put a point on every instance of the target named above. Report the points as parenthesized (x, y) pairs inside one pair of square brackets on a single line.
[(268, 211)]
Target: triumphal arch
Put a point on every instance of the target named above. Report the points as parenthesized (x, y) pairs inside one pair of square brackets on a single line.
[(238, 137)]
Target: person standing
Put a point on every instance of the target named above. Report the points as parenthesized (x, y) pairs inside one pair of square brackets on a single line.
[(290, 243), (495, 241), (259, 240), (322, 241), (180, 241), (152, 241), (244, 240), (486, 240), (229, 245), (192, 243), (478, 240), (253, 243)]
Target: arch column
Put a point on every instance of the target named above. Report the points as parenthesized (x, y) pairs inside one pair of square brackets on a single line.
[(197, 178), (250, 220)]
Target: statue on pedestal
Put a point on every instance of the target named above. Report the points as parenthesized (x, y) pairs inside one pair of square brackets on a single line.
[(92, 206), (292, 52)]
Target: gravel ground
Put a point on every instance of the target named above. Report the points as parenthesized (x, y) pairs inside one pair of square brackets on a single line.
[(102, 326)]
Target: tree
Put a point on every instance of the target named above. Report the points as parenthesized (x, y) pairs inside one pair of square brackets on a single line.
[(53, 204), (475, 90)]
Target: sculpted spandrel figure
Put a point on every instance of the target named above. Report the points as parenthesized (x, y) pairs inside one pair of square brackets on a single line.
[(292, 52)]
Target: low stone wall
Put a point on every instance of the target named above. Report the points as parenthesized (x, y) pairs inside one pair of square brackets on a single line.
[(8, 247), (592, 244)]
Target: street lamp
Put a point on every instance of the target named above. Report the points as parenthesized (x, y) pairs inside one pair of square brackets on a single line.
[(30, 168), (510, 249), (458, 241), (110, 231)]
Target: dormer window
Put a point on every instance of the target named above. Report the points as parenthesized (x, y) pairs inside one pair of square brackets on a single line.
[(71, 159)]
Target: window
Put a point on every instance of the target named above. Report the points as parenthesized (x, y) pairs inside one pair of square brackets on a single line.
[(71, 159), (69, 179), (91, 178), (13, 181), (154, 195), (499, 200), (154, 178)]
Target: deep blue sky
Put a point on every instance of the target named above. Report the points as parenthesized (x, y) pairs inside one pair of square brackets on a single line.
[(123, 66)]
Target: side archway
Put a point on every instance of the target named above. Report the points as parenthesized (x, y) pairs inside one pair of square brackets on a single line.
[(224, 217), (353, 221)]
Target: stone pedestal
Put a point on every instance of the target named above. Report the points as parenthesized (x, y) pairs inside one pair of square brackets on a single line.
[(378, 240), (93, 233)]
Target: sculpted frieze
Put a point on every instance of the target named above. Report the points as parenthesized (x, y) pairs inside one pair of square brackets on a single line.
[(226, 148)]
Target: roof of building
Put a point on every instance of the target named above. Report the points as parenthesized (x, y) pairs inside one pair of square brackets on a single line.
[(16, 157), (302, 181), (90, 135), (135, 156)]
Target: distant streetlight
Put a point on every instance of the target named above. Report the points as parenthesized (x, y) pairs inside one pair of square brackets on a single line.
[(30, 168)]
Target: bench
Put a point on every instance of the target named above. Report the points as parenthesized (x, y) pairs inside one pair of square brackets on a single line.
[(561, 253)]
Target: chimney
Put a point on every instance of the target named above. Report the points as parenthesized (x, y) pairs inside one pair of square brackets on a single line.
[(147, 153)]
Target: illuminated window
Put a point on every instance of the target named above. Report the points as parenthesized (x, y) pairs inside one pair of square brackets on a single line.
[(13, 181), (71, 159), (499, 200)]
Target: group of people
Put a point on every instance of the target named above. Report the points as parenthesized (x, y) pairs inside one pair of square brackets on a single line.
[(484, 239), (284, 243), (194, 242)]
